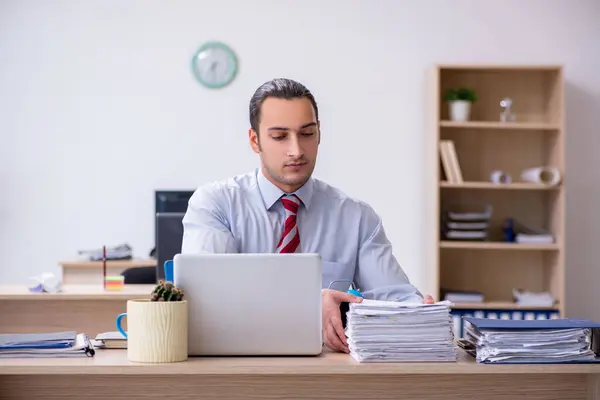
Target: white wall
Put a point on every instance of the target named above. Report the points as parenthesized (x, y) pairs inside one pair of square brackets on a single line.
[(98, 106)]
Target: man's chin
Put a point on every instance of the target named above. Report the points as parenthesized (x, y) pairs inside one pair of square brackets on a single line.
[(296, 178), (291, 179)]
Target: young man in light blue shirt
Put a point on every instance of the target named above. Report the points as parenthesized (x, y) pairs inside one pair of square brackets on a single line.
[(279, 207)]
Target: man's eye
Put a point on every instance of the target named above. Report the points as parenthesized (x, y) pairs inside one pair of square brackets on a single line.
[(308, 133), (278, 137)]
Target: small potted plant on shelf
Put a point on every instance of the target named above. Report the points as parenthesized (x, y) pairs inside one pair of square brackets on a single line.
[(459, 102), (157, 327)]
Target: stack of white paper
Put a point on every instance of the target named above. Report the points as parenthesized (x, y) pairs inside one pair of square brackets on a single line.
[(384, 331), (530, 345)]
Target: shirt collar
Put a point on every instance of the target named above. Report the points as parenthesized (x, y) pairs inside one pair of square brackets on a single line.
[(271, 193)]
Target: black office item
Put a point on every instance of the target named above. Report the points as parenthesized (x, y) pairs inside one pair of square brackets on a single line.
[(169, 235), (139, 276), (171, 201), (344, 308)]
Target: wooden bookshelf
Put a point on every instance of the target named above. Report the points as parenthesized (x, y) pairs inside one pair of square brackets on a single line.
[(489, 245), (484, 144), (494, 186), (523, 126)]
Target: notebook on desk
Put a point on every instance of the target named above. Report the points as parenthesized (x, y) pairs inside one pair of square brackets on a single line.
[(54, 344), (110, 340), (563, 340)]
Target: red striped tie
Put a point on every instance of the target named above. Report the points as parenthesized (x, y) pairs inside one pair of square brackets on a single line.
[(290, 239)]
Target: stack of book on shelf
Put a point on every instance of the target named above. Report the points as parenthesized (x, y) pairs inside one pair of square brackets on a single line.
[(466, 225), (55, 344), (386, 331), (462, 296), (452, 170), (533, 235), (525, 298), (562, 340)]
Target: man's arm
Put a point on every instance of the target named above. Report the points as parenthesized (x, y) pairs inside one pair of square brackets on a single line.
[(205, 225), (378, 274)]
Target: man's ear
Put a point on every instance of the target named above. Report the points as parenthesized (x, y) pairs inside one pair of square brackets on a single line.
[(319, 131), (254, 140)]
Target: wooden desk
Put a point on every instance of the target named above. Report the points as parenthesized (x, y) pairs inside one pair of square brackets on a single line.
[(85, 308), (331, 376), (90, 272)]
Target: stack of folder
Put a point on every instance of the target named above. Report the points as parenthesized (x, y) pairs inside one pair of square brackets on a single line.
[(385, 331), (531, 341), (55, 344)]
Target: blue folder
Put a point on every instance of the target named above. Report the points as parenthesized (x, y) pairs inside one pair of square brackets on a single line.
[(559, 323), (53, 340), (512, 325)]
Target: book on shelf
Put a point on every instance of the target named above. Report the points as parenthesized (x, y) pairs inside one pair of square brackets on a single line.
[(450, 162), (528, 234), (468, 225), (462, 296)]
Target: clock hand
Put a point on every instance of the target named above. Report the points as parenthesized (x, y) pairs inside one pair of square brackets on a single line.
[(213, 68)]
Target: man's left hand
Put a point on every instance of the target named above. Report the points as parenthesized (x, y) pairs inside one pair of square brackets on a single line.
[(428, 300)]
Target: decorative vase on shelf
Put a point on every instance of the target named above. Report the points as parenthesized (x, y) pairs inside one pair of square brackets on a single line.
[(460, 110), (459, 103)]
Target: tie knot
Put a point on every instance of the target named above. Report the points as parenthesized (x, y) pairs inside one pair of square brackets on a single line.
[(291, 203)]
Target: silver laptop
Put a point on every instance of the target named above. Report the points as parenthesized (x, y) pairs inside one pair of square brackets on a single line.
[(251, 304)]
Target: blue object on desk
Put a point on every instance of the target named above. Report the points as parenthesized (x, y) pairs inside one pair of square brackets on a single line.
[(459, 315), (499, 325), (559, 323), (353, 290), (119, 327), (169, 270), (54, 340)]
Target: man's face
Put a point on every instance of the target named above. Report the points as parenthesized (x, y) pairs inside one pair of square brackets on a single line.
[(287, 141)]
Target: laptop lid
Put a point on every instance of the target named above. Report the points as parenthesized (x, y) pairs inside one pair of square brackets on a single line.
[(251, 304)]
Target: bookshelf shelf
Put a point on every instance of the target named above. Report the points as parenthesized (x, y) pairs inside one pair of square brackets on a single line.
[(449, 244), (495, 186), (497, 306), (501, 125), (468, 157)]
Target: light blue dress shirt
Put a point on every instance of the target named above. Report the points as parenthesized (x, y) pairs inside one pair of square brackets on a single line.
[(244, 215)]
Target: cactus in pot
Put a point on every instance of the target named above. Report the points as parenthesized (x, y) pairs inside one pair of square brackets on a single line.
[(166, 291)]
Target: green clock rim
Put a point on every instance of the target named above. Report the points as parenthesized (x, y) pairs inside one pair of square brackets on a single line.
[(228, 50)]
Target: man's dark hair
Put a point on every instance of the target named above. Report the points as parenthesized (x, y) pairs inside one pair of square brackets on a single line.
[(281, 88)]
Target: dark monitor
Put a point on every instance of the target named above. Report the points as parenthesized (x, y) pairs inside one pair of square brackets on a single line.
[(169, 201), (169, 235)]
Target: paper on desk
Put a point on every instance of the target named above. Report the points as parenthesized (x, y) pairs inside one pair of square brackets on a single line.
[(386, 331), (52, 339), (530, 345), (79, 347)]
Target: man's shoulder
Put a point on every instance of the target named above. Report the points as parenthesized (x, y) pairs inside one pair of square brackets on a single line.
[(342, 199), (221, 189)]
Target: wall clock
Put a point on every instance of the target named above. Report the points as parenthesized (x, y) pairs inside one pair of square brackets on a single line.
[(215, 65)]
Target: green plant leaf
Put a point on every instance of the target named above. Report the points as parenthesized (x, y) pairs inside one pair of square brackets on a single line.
[(461, 93)]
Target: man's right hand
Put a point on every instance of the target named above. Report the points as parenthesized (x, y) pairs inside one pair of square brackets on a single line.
[(333, 331)]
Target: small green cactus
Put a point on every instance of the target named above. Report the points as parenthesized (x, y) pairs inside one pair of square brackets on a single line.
[(166, 291)]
